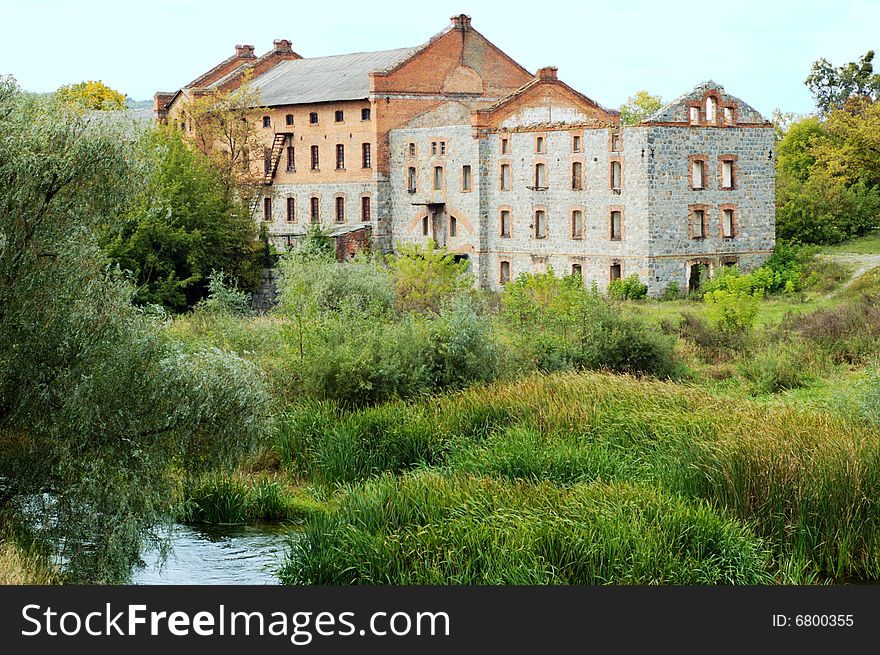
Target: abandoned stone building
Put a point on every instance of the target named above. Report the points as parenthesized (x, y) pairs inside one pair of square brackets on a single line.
[(456, 142)]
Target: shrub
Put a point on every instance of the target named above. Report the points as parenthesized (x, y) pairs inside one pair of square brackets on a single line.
[(785, 366), (609, 340), (850, 332), (672, 292), (630, 288), (223, 298), (425, 278)]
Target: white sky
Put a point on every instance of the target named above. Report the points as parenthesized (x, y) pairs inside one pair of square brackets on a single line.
[(760, 50)]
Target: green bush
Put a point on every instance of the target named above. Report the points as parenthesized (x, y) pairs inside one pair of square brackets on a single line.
[(785, 366), (672, 292), (630, 288)]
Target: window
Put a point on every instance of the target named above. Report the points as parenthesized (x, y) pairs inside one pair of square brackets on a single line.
[(728, 115), (424, 226), (694, 115), (576, 143), (366, 156), (365, 114), (267, 160), (433, 148), (505, 146), (315, 206), (616, 227), (365, 209), (728, 226), (340, 157), (465, 178), (615, 175), (711, 109), (315, 161), (313, 117), (291, 160), (267, 209), (505, 223), (340, 209), (267, 122), (412, 150), (698, 225), (615, 142), (291, 210), (438, 178), (614, 272), (339, 116), (453, 226), (505, 177), (540, 176), (698, 174), (443, 147), (411, 179), (577, 224), (505, 272), (540, 224), (577, 271), (539, 144), (288, 119), (577, 176), (727, 174)]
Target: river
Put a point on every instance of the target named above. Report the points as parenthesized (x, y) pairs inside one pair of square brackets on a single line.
[(227, 555)]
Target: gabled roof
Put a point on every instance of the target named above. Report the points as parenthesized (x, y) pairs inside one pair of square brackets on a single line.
[(677, 110), (544, 81), (324, 79)]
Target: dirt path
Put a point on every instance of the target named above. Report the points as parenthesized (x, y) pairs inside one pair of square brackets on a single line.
[(859, 263)]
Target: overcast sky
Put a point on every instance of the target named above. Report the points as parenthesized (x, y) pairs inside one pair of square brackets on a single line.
[(760, 50)]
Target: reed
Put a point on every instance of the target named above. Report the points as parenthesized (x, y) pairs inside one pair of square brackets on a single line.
[(427, 528)]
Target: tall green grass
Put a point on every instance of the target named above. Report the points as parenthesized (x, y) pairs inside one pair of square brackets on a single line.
[(230, 500), (806, 480), (432, 529)]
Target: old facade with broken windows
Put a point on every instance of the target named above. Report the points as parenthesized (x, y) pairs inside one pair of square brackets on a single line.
[(456, 142)]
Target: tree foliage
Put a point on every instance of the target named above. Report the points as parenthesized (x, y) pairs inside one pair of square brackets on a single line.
[(828, 176), (96, 403), (638, 107), (223, 126), (185, 222), (833, 86), (91, 94)]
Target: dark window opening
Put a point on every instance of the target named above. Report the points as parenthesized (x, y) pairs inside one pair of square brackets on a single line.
[(313, 117), (365, 114), (366, 156), (339, 115)]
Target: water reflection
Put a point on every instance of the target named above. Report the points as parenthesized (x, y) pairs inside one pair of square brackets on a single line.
[(227, 555)]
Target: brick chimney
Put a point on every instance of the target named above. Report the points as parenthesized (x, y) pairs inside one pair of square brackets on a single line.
[(245, 52), (282, 45), (461, 22), (547, 73)]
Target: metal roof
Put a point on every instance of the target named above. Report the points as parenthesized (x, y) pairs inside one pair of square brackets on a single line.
[(325, 79)]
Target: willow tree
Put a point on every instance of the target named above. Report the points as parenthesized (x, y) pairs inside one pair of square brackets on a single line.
[(97, 404)]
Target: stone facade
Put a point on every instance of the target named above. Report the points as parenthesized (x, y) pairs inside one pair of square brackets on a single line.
[(515, 172)]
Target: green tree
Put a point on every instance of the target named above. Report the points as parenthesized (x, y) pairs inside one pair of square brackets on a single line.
[(97, 404), (91, 95), (184, 224), (827, 176), (638, 107), (425, 277), (833, 86)]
